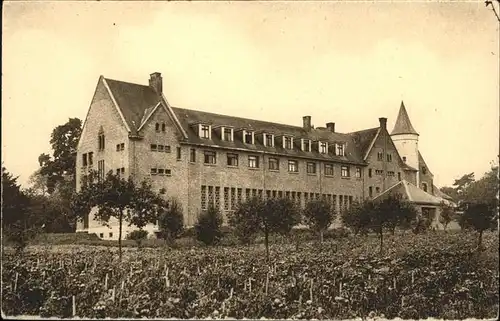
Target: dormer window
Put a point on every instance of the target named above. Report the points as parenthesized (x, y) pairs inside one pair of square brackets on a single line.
[(227, 134), (205, 131), (323, 147), (306, 145), (340, 149), (287, 142), (269, 140), (248, 137)]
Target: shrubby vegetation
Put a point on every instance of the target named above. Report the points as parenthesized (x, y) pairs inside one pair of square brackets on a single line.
[(208, 227)]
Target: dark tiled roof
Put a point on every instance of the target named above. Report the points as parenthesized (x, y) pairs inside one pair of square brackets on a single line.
[(403, 124), (364, 138), (411, 193), (187, 117), (133, 101), (422, 163)]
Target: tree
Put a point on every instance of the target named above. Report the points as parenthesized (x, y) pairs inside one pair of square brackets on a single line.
[(118, 198), (268, 216), (18, 225), (484, 190), (245, 220), (171, 220), (390, 212), (357, 216), (64, 142), (481, 217), (208, 227), (447, 214), (319, 215)]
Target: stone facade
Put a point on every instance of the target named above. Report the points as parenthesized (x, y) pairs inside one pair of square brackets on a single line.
[(149, 142)]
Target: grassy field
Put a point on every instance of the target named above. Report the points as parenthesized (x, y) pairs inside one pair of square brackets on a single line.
[(439, 275)]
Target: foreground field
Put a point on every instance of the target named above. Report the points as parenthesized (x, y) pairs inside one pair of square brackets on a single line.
[(435, 275)]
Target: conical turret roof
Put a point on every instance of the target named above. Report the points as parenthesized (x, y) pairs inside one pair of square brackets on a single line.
[(403, 124)]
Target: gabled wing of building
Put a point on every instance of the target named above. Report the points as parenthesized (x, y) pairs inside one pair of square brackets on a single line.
[(411, 193)]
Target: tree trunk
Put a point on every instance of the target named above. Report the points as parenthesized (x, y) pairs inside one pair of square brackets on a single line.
[(381, 239), (480, 240), (120, 219), (393, 230), (321, 236), (266, 241)]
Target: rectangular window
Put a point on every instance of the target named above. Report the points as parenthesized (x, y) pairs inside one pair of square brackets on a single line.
[(100, 167), (84, 160), (101, 142), (424, 170), (205, 131), (379, 171), (118, 172), (306, 147), (110, 234), (192, 155), (247, 194), (232, 159), (253, 161), (341, 203), (233, 198), (329, 169), (226, 198), (269, 140), (274, 164), (399, 176), (340, 149), (389, 157), (404, 159), (369, 172), (390, 173), (293, 166), (380, 156), (239, 195), (178, 153), (203, 197), (323, 147), (210, 157), (377, 190), (211, 195), (311, 168), (358, 172), (227, 134), (217, 197), (168, 172), (161, 148), (288, 142), (117, 147), (154, 171), (154, 147), (248, 139), (344, 171), (122, 170), (167, 149), (161, 171)]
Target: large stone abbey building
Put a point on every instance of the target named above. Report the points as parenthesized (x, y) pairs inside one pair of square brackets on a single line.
[(201, 158)]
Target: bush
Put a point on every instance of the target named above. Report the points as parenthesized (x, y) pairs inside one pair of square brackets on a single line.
[(208, 228), (318, 215), (171, 221), (138, 236)]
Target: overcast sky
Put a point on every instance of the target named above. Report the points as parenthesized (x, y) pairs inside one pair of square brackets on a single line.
[(348, 63)]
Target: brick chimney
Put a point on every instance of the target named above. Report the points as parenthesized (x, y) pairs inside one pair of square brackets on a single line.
[(155, 82), (383, 122), (331, 127), (307, 123)]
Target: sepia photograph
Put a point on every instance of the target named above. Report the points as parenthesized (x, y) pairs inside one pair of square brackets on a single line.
[(265, 160)]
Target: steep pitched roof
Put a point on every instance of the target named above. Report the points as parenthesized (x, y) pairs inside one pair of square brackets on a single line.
[(403, 124), (188, 116), (422, 163), (411, 193), (133, 100), (364, 139)]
